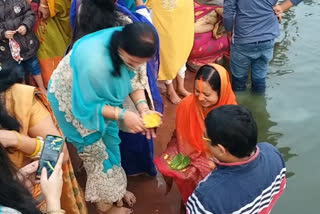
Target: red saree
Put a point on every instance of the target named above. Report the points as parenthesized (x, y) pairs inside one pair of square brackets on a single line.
[(188, 140), (206, 49)]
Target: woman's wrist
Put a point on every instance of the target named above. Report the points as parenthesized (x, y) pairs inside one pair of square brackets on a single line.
[(17, 143), (121, 114), (44, 6), (142, 106), (53, 204), (10, 139), (141, 102), (144, 110), (44, 2), (38, 149)]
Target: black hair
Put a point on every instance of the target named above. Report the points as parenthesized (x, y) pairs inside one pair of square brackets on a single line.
[(137, 39), (13, 194), (8, 77), (209, 74), (233, 127), (95, 15)]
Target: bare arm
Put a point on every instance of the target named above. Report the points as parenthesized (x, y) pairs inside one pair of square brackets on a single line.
[(139, 95), (219, 11), (139, 3), (109, 112), (202, 28), (44, 128), (11, 139), (131, 119)]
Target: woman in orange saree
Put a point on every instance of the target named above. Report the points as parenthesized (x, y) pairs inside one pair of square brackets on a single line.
[(25, 115), (212, 89)]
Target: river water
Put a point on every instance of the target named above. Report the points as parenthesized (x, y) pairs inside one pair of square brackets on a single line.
[(288, 115)]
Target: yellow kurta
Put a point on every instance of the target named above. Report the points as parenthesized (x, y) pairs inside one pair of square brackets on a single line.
[(174, 21)]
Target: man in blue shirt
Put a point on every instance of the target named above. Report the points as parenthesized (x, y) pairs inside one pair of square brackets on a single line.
[(254, 26), (249, 178)]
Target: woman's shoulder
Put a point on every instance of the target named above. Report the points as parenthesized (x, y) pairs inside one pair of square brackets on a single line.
[(22, 89)]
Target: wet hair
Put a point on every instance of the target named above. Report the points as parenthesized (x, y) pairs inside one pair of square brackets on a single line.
[(95, 15), (210, 75), (233, 127), (13, 194), (137, 39), (8, 77)]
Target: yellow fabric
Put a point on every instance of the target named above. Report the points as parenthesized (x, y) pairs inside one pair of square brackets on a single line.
[(51, 4), (174, 21), (54, 34), (23, 103), (27, 109), (38, 112), (72, 199)]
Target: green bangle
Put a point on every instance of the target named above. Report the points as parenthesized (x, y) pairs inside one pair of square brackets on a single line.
[(140, 102), (121, 114)]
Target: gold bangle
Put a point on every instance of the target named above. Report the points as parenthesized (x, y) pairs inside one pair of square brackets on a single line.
[(19, 139), (44, 6), (56, 212), (116, 113), (38, 147), (40, 140)]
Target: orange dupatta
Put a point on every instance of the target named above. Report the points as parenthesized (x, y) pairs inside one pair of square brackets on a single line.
[(188, 140), (190, 114)]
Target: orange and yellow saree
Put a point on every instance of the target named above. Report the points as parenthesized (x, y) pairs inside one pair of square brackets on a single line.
[(30, 107), (189, 141)]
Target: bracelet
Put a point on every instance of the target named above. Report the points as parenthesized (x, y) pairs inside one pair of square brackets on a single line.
[(41, 141), (38, 147), (56, 212), (116, 113), (140, 102), (19, 139), (44, 6), (121, 115)]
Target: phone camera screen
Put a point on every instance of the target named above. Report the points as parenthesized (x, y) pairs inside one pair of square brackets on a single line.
[(50, 153)]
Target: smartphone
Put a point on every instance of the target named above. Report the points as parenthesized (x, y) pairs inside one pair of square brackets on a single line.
[(52, 148)]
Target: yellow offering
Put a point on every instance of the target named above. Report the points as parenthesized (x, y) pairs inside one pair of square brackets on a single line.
[(152, 120)]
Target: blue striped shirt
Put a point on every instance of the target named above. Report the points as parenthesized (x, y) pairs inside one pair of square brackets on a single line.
[(248, 187)]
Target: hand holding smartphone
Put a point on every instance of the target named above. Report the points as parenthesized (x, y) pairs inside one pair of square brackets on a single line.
[(52, 148)]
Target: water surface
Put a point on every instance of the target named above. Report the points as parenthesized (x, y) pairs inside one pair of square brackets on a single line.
[(288, 115)]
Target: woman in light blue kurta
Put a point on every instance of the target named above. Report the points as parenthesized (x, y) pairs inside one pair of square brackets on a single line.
[(86, 92)]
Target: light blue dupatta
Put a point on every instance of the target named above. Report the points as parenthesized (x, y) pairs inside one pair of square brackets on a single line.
[(93, 85)]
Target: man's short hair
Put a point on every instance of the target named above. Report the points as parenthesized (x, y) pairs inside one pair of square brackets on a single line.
[(233, 127)]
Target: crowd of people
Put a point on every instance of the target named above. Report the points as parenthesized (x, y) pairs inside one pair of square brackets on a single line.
[(89, 70)]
